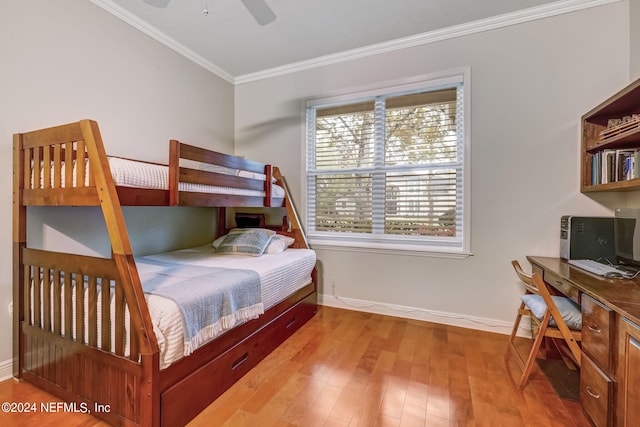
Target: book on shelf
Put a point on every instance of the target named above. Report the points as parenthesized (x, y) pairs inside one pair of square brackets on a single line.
[(615, 165), (621, 164)]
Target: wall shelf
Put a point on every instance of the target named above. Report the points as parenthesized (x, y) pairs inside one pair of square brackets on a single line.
[(606, 149)]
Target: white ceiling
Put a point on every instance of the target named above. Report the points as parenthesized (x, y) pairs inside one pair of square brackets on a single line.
[(229, 42)]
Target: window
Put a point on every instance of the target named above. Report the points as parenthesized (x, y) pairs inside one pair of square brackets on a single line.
[(386, 169)]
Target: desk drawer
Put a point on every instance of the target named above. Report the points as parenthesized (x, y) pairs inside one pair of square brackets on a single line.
[(597, 322), (596, 389), (564, 286)]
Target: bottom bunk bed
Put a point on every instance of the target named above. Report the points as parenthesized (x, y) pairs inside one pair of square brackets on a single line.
[(112, 336)]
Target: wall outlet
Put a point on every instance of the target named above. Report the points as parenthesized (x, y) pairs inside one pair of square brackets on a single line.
[(10, 308)]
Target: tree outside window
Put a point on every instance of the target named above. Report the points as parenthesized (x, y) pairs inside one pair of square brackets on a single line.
[(387, 167)]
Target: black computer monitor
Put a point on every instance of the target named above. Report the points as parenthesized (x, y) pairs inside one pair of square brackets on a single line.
[(626, 226)]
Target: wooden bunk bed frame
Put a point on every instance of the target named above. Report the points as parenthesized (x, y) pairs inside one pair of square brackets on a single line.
[(119, 387)]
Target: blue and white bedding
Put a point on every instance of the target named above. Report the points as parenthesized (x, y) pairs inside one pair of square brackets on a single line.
[(280, 275), (211, 299)]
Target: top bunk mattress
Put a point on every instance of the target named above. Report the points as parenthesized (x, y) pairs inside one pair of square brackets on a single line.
[(131, 173), (152, 176)]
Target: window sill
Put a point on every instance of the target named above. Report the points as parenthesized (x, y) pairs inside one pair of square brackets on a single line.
[(391, 249)]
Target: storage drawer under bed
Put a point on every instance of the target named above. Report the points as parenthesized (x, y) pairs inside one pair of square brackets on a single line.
[(218, 375)]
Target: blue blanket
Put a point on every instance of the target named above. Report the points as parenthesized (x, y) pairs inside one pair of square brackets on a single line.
[(211, 299)]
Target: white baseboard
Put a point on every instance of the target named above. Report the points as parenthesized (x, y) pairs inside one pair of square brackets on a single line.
[(6, 369), (451, 319)]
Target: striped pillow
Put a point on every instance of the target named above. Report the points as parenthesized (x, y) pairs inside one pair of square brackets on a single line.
[(246, 241)]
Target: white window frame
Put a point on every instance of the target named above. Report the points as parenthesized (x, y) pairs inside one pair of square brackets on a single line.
[(459, 247)]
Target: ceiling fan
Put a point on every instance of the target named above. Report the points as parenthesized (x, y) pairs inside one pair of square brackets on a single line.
[(259, 9)]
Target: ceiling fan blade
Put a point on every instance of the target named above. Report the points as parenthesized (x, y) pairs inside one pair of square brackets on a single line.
[(260, 11), (158, 3)]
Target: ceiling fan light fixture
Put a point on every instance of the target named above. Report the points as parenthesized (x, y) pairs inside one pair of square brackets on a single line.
[(260, 11), (158, 3)]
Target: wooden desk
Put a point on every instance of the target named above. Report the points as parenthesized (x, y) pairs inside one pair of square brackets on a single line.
[(610, 371)]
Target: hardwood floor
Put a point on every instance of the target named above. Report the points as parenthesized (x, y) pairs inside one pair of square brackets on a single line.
[(347, 368)]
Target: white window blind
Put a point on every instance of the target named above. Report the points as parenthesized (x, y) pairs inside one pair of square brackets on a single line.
[(387, 170)]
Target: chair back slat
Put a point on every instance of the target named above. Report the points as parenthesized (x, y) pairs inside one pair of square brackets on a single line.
[(534, 284), (527, 279)]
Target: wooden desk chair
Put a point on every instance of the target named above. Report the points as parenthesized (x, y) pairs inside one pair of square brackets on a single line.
[(552, 316)]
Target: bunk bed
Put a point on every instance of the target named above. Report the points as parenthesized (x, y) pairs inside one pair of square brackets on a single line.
[(83, 330)]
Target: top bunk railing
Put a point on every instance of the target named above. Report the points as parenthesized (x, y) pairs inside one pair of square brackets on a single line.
[(43, 156), (198, 166), (56, 170)]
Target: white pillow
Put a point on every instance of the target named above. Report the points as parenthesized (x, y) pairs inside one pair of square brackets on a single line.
[(217, 169), (279, 243), (254, 175), (219, 240)]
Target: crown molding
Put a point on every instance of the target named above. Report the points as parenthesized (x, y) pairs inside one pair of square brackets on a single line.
[(526, 15), (161, 37), (556, 8)]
